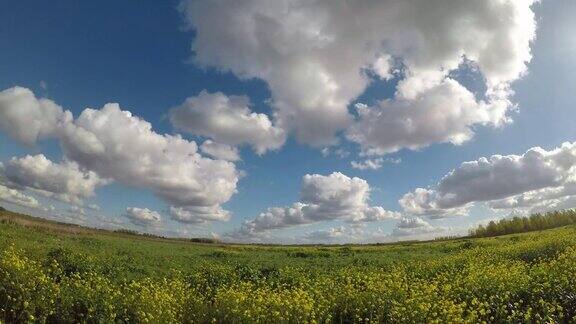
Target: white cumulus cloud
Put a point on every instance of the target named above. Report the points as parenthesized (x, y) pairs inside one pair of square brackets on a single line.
[(327, 236), (114, 144), (414, 226), (368, 164), (220, 151), (16, 197), (199, 215), (322, 198), (508, 181), (26, 118), (444, 113), (120, 146), (318, 56), (64, 181), (142, 216), (227, 120)]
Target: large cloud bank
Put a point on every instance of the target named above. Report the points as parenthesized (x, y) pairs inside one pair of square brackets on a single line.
[(318, 56), (536, 179), (111, 143)]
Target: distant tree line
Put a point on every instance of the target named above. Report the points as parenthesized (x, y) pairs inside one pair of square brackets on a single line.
[(192, 239), (534, 222)]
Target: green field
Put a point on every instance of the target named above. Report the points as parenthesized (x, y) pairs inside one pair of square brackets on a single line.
[(61, 273)]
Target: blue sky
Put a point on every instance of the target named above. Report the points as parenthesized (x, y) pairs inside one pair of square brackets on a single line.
[(141, 55)]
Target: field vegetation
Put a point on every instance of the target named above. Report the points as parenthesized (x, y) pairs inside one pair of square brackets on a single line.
[(59, 273)]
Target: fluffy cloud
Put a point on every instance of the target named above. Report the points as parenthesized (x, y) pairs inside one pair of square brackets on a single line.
[(114, 144), (343, 234), (199, 215), (414, 226), (142, 216), (220, 151), (27, 118), (504, 181), (444, 113), (408, 228), (329, 235), (355, 233), (542, 200), (369, 164), (227, 120), (16, 197), (120, 146), (338, 152), (373, 164), (318, 56), (415, 222), (64, 181), (323, 198)]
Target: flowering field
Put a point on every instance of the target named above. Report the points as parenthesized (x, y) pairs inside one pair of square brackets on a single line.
[(88, 276)]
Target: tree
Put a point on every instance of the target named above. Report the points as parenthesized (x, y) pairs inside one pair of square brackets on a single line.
[(534, 222)]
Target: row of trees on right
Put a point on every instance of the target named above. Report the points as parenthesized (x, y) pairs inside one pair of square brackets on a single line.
[(534, 222)]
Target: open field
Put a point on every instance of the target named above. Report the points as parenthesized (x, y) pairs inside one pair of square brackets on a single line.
[(60, 273)]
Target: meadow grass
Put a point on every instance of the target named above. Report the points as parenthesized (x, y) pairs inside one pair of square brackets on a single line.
[(59, 273)]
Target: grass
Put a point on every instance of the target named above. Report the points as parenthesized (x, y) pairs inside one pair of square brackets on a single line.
[(63, 273), (136, 256)]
